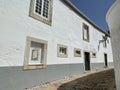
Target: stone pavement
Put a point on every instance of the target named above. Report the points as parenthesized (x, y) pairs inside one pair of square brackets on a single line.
[(97, 80)]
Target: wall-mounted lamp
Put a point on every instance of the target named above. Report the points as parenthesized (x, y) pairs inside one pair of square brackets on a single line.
[(105, 38)]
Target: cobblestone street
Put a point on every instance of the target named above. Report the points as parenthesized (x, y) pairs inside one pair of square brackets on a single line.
[(100, 81)]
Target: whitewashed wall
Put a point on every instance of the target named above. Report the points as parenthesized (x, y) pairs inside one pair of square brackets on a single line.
[(66, 29), (113, 20)]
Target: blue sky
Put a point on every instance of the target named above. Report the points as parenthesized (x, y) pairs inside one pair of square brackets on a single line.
[(95, 10)]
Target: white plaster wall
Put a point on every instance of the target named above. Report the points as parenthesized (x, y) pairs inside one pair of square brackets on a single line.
[(113, 19), (66, 29)]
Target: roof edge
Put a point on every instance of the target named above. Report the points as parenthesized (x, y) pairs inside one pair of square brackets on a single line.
[(76, 10)]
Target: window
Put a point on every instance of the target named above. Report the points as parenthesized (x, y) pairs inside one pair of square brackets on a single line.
[(77, 52), (41, 10), (35, 54), (93, 55), (62, 51), (85, 32)]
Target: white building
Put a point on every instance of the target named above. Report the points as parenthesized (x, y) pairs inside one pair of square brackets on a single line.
[(45, 40), (113, 19)]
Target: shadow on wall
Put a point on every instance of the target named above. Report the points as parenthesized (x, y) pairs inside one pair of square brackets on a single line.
[(100, 81)]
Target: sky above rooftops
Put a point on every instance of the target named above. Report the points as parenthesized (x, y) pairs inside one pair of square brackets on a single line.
[(95, 10)]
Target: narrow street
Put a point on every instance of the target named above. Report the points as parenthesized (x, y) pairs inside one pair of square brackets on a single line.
[(100, 80)]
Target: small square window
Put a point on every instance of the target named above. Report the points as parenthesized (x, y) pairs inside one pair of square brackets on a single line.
[(93, 55), (77, 52), (41, 10), (62, 51), (35, 53), (85, 32)]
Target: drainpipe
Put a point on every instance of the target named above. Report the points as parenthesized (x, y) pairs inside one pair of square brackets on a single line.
[(113, 20)]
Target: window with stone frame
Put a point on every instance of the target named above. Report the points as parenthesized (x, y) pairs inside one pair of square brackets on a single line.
[(86, 33), (62, 51), (77, 52), (41, 10), (35, 53)]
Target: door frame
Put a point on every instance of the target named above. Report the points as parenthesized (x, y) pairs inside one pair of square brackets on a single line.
[(105, 61), (89, 60)]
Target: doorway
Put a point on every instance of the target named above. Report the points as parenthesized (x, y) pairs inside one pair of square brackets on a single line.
[(87, 61), (105, 58)]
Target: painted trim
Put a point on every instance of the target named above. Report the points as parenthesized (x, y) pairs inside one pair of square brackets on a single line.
[(22, 79)]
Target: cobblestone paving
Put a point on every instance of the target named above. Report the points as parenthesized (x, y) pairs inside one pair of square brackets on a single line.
[(100, 81)]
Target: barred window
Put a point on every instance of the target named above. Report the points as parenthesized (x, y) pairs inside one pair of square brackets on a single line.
[(42, 7), (41, 10), (38, 7)]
